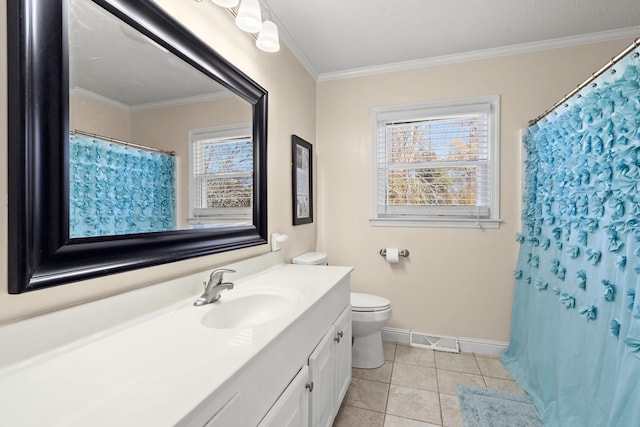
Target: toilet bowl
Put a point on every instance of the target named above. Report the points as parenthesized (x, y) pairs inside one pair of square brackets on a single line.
[(369, 314)]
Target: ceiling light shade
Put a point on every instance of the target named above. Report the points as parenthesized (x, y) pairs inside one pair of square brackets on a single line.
[(268, 37), (249, 18), (226, 3)]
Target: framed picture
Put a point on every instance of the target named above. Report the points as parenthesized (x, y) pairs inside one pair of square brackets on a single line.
[(302, 180)]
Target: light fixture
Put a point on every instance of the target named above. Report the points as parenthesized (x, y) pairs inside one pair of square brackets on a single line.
[(268, 38), (226, 3), (249, 18)]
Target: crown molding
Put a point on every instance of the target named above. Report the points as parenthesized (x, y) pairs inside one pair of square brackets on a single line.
[(100, 98), (291, 44), (604, 36), (152, 105)]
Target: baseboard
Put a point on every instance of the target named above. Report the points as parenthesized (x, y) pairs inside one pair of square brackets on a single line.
[(467, 345), (484, 347), (395, 335)]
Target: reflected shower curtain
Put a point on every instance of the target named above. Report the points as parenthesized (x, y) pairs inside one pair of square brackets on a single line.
[(575, 332), (115, 189)]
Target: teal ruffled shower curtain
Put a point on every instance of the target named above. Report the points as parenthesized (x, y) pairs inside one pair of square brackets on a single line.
[(115, 189), (575, 331)]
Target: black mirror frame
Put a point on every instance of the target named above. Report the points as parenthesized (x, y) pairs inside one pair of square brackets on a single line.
[(40, 252)]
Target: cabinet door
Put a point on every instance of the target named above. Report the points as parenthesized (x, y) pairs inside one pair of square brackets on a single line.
[(292, 408), (227, 414), (343, 354), (322, 377)]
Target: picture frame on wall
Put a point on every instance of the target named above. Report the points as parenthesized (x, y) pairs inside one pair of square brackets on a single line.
[(302, 180)]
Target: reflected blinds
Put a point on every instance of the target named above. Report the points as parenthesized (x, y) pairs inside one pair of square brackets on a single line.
[(222, 179)]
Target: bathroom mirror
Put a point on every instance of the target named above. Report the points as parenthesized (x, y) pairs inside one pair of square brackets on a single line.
[(170, 93)]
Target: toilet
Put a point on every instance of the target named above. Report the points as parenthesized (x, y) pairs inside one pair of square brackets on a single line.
[(370, 313)]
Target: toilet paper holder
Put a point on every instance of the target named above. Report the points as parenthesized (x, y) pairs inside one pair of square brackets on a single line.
[(401, 252)]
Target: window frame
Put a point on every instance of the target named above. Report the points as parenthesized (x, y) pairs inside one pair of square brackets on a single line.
[(426, 110), (222, 216)]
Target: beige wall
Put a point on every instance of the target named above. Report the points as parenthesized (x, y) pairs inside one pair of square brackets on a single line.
[(168, 128), (291, 111), (457, 282), (90, 115)]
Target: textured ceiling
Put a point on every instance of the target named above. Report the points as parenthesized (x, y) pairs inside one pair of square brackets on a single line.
[(109, 59), (335, 38), (340, 35)]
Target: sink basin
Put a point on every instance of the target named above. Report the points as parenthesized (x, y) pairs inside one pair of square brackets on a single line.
[(246, 308)]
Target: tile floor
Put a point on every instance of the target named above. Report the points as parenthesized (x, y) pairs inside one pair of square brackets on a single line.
[(417, 388)]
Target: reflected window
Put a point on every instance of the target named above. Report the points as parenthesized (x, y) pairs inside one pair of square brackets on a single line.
[(221, 176)]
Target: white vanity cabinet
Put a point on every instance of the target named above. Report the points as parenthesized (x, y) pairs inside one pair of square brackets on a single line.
[(292, 408), (162, 365), (326, 380), (330, 371), (322, 377), (343, 354)]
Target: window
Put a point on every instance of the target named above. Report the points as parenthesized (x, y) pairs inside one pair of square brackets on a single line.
[(436, 164), (221, 176)]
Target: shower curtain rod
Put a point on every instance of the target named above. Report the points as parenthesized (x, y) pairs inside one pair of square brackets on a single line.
[(594, 76), (121, 142)]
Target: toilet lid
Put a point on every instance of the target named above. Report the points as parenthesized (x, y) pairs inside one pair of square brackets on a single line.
[(367, 302), (310, 258)]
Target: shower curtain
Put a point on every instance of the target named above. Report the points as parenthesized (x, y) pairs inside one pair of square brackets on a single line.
[(115, 189), (575, 331)]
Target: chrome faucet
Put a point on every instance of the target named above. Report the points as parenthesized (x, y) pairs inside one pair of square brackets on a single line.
[(214, 286)]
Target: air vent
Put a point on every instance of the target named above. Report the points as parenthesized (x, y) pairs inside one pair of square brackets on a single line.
[(434, 342)]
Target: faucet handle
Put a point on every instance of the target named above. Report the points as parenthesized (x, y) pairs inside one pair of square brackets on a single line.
[(217, 275)]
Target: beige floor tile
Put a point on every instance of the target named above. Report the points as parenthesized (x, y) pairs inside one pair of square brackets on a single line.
[(490, 367), (382, 374), (414, 356), (365, 394), (393, 421), (350, 416), (421, 405), (500, 384), (461, 362), (414, 376), (389, 350), (490, 356), (450, 406), (447, 380)]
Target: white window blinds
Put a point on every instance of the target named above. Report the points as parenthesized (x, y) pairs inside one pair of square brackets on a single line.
[(436, 162), (221, 179)]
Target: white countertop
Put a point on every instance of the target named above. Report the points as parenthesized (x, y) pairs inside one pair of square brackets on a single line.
[(155, 369)]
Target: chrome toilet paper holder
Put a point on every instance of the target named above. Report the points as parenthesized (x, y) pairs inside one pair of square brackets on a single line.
[(401, 252)]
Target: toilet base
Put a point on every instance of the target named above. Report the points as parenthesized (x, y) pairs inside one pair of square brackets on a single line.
[(367, 352)]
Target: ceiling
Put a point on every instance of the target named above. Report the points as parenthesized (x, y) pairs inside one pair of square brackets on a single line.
[(111, 61), (337, 38)]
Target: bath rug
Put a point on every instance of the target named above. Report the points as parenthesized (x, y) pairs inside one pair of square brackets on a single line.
[(481, 407)]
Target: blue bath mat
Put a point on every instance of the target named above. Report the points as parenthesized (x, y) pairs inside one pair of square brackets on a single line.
[(483, 407)]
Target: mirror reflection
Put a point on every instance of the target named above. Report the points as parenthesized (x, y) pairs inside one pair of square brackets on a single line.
[(155, 144)]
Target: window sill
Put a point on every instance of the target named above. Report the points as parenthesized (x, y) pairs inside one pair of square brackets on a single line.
[(436, 223)]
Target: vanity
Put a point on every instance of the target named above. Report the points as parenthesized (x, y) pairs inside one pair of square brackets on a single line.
[(273, 351)]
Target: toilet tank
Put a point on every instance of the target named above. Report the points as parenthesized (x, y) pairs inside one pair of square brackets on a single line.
[(310, 258)]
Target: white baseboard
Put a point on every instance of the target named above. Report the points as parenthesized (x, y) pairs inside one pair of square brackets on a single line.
[(467, 345), (395, 335), (484, 347)]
